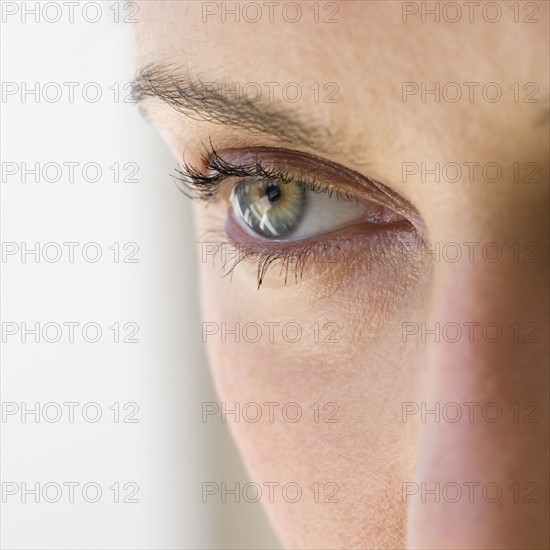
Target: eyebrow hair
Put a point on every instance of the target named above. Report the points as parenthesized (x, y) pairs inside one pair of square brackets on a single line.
[(203, 101)]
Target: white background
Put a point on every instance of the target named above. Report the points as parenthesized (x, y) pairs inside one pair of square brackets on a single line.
[(169, 452)]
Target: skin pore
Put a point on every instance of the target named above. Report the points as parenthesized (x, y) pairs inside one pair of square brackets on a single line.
[(366, 143)]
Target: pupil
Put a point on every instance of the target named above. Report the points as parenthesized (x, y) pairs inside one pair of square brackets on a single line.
[(273, 192)]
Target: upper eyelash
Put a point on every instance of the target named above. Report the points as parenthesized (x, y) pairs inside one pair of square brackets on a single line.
[(195, 184)]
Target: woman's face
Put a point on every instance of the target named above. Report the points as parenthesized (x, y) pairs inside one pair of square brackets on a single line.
[(372, 180)]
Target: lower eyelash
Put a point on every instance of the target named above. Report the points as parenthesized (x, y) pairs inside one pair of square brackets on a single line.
[(266, 260), (288, 259)]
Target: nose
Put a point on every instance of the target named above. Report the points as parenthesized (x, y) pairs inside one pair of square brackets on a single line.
[(481, 478)]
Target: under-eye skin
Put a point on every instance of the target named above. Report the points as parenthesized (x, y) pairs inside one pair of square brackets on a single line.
[(282, 206)]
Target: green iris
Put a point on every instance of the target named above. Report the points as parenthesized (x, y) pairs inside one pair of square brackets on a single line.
[(268, 207)]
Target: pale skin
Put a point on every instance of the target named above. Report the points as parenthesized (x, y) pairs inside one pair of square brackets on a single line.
[(375, 457)]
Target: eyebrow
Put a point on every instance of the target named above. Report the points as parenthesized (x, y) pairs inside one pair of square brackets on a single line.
[(204, 101)]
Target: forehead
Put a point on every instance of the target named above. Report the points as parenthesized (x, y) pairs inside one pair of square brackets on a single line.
[(371, 39)]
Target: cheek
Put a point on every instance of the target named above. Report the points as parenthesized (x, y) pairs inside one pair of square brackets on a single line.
[(318, 372)]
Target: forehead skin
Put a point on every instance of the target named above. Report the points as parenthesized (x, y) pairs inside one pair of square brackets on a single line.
[(369, 54)]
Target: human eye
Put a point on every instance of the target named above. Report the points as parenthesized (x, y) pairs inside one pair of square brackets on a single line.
[(282, 206), (280, 209)]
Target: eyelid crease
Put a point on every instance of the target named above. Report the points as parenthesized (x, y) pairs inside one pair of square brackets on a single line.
[(204, 184)]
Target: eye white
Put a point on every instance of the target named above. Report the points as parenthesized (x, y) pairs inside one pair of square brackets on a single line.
[(325, 213)]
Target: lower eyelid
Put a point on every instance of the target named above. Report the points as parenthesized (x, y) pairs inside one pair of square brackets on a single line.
[(344, 254)]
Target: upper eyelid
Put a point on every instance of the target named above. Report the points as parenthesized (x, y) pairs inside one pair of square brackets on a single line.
[(219, 170), (299, 165)]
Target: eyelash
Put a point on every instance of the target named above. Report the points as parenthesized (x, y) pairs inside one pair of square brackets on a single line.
[(196, 185), (205, 185), (288, 258)]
